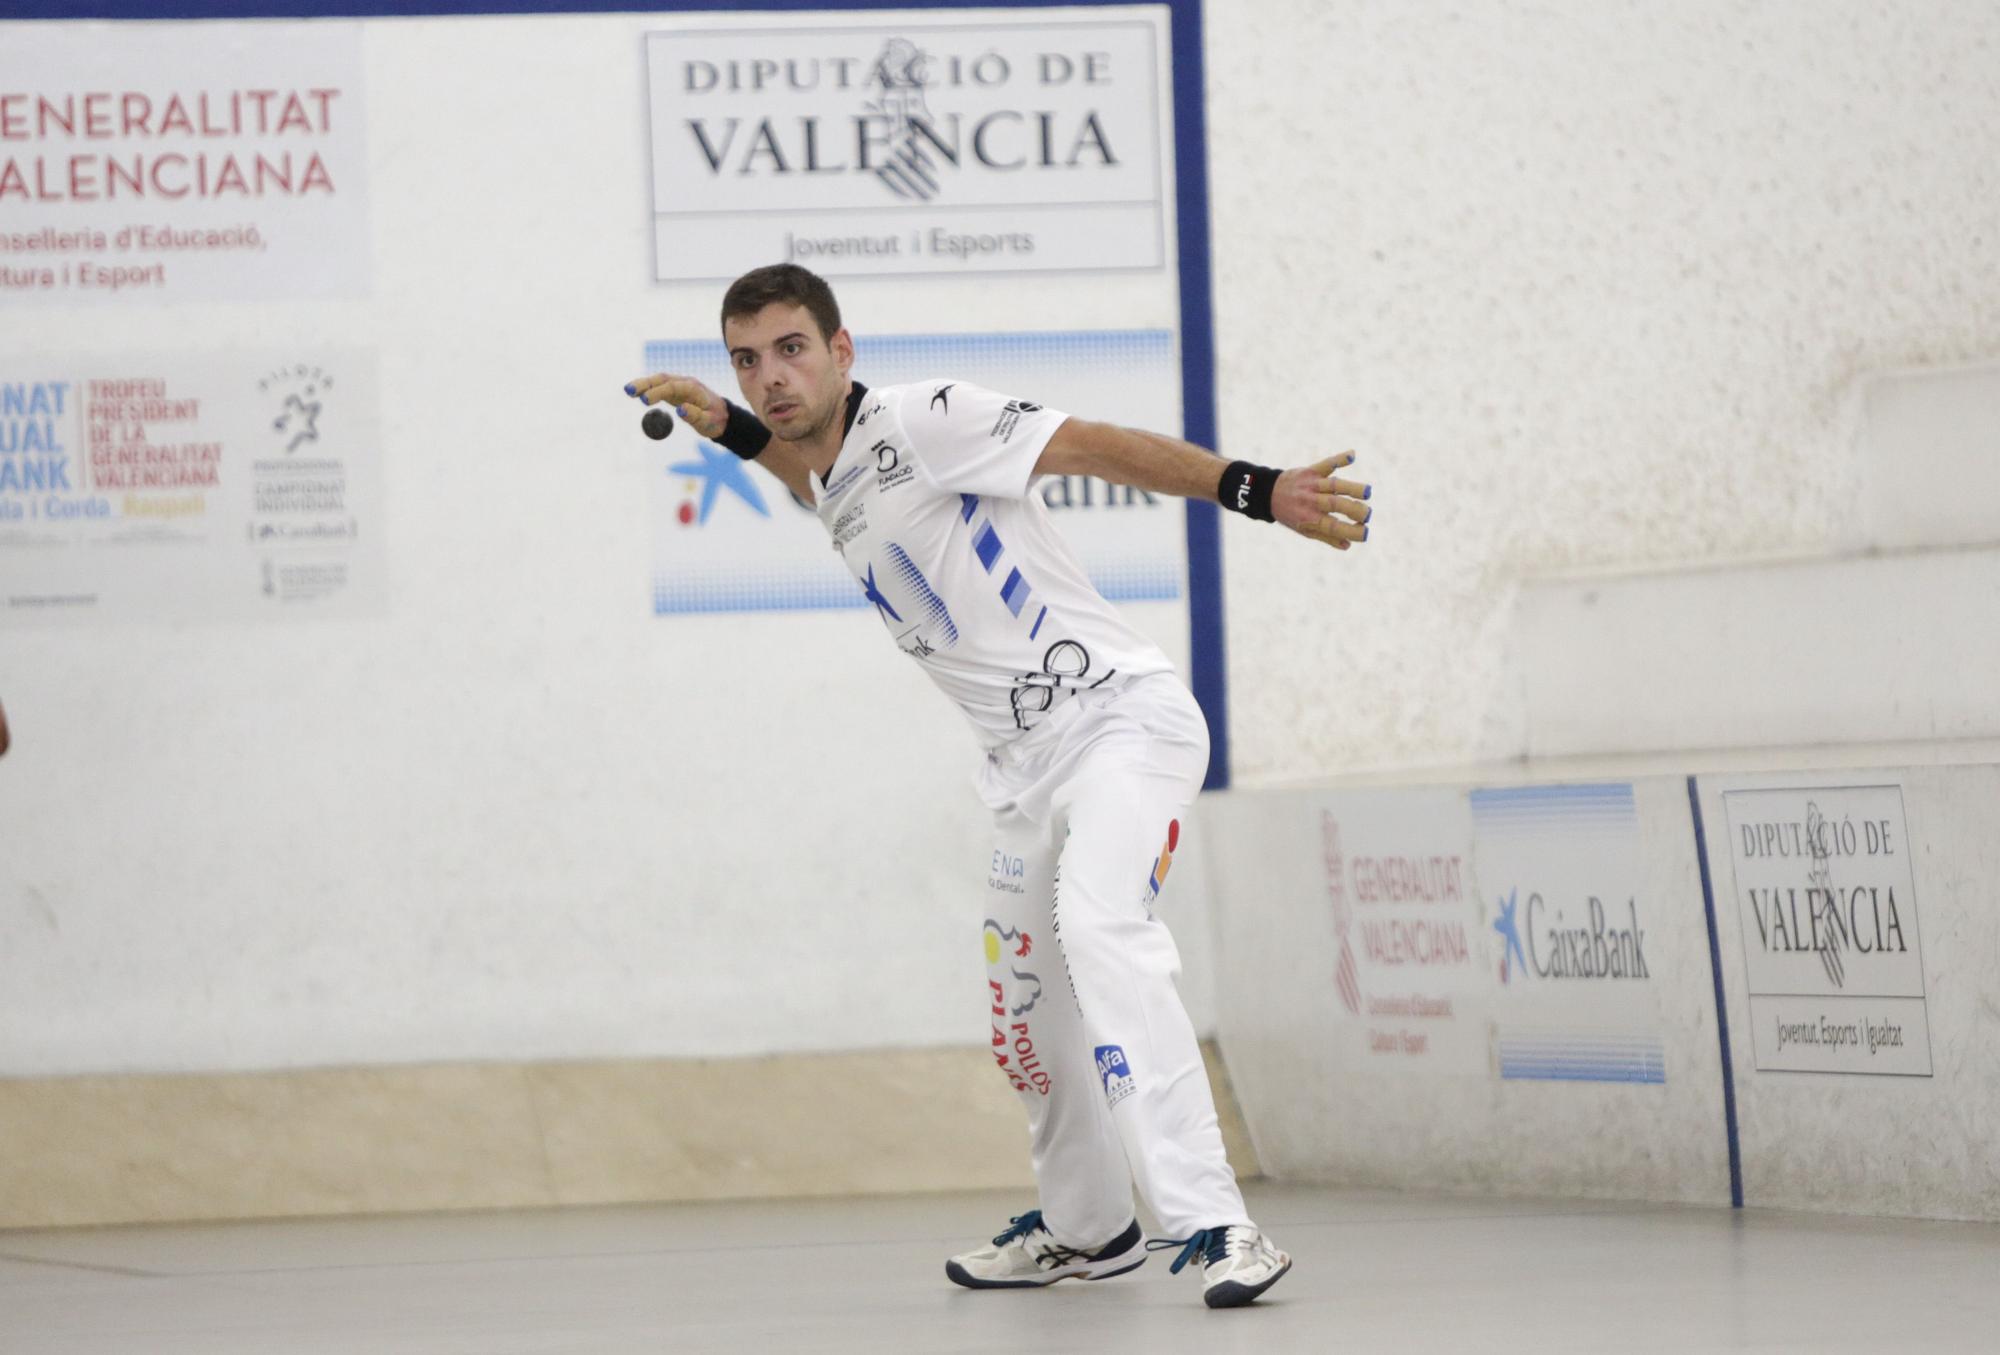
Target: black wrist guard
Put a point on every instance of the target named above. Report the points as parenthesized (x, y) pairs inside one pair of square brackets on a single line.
[(743, 434), (1246, 489)]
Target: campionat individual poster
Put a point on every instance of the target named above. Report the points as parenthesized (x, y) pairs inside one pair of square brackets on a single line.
[(1827, 908), (1559, 871), (143, 164), (190, 486)]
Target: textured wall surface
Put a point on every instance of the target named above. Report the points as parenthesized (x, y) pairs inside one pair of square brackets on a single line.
[(1589, 285)]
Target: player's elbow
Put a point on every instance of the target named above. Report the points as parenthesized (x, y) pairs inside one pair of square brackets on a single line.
[(1077, 447)]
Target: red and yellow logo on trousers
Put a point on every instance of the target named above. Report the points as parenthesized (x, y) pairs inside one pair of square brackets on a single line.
[(1164, 861)]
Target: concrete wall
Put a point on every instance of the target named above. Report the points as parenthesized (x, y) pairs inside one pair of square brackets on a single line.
[(1591, 287)]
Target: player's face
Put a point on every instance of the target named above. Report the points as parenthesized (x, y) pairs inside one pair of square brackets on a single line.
[(793, 379)]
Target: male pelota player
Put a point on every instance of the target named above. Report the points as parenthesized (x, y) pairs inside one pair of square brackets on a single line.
[(1094, 753)]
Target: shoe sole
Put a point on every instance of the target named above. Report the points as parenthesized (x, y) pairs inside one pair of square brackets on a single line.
[(958, 1274), (1229, 1294)]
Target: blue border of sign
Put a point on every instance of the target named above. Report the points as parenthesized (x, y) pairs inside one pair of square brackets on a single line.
[(1207, 655), (1721, 1001)]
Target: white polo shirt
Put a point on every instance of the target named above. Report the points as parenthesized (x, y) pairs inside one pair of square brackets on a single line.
[(929, 504)]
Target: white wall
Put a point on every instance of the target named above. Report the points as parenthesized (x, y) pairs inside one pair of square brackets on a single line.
[(1588, 285), (517, 816), (1585, 284)]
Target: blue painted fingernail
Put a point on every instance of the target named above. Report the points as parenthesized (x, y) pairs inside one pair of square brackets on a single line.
[(631, 389), (1364, 533), (1367, 491)]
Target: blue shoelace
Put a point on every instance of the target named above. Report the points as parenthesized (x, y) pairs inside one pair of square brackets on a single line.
[(1210, 1244), (1020, 1227)]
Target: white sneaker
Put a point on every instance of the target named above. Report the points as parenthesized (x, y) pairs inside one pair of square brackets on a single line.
[(1237, 1263), (1027, 1257)]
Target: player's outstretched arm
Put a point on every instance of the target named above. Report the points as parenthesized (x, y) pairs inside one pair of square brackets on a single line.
[(1311, 500), (708, 414)]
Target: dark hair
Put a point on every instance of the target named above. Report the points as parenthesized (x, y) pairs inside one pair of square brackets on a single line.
[(783, 284)]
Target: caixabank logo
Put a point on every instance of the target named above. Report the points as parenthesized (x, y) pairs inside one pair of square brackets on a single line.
[(712, 475), (1561, 866), (1600, 946)]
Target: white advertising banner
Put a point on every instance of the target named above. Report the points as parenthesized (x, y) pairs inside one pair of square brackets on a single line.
[(181, 162), (1559, 871), (1828, 914), (1411, 968), (728, 537), (187, 486), (886, 145)]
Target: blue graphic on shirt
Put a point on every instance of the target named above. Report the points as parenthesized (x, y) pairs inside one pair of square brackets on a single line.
[(1015, 591), (927, 597), (719, 470), (990, 551), (874, 595), (986, 545)]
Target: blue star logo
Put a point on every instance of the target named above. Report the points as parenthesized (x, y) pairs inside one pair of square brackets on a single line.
[(1508, 932), (718, 470), (875, 595)]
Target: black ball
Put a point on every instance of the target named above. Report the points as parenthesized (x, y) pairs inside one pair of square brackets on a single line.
[(657, 423)]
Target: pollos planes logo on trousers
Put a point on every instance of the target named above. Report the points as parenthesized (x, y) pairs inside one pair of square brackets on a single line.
[(1013, 995)]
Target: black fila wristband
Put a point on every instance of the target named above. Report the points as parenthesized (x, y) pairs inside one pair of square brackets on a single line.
[(743, 434), (1246, 489)]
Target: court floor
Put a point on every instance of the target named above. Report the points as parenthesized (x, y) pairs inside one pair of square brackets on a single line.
[(1375, 1272)]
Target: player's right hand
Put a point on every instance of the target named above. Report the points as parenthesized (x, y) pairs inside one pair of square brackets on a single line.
[(1313, 501), (699, 407)]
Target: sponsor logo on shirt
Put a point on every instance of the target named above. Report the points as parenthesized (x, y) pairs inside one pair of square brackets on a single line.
[(841, 481), (849, 525), (867, 414), (1115, 1073), (1003, 427), (942, 396), (889, 468)]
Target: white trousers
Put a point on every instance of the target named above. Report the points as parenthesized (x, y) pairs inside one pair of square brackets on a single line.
[(1088, 1026)]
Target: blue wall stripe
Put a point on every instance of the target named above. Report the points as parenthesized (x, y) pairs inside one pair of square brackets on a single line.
[(1207, 647), (1721, 1007)]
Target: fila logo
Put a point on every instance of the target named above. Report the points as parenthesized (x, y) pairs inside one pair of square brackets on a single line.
[(1243, 495)]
